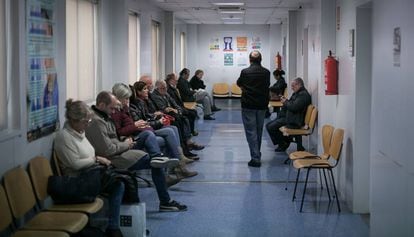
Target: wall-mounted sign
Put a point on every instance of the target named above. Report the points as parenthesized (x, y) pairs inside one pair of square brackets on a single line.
[(397, 46)]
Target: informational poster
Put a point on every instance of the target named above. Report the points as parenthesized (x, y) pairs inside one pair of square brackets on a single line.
[(241, 44), (256, 43), (228, 59), (214, 44), (242, 59), (42, 80), (228, 43), (214, 60)]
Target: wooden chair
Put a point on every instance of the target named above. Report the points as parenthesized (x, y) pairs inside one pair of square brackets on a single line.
[(235, 91), (320, 163), (327, 131), (40, 171), (221, 90), (306, 130), (6, 221), (22, 200), (278, 104), (190, 105)]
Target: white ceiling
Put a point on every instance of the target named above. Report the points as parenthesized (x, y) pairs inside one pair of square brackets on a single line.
[(254, 11)]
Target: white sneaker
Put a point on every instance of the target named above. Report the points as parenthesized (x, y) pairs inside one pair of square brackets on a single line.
[(163, 162)]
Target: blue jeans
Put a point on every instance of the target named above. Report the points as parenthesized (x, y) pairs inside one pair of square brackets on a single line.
[(172, 141), (158, 177), (148, 141), (115, 201), (253, 121)]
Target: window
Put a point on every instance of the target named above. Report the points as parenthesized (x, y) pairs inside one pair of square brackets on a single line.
[(3, 67), (81, 49), (133, 47), (182, 51), (155, 50)]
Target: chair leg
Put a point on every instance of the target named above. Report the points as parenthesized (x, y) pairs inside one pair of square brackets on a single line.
[(287, 179), (320, 178), (304, 189), (296, 185), (327, 185), (336, 194), (299, 145)]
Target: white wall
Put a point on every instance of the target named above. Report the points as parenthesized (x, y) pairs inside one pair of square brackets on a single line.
[(214, 70), (392, 163)]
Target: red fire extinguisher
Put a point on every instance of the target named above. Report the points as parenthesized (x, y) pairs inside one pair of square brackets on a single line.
[(331, 75), (278, 61)]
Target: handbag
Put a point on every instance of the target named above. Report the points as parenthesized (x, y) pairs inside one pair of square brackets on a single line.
[(110, 178), (83, 188)]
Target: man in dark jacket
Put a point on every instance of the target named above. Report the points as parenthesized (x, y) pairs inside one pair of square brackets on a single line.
[(254, 82), (292, 114)]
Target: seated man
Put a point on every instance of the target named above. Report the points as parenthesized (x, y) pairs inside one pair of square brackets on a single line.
[(102, 135), (189, 95), (292, 115)]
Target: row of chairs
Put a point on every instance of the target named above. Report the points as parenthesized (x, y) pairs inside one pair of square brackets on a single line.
[(223, 90), (25, 193)]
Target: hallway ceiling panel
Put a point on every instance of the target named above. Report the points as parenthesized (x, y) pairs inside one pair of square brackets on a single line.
[(250, 11)]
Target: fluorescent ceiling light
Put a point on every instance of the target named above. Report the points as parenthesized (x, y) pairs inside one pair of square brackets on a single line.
[(232, 22), (232, 12), (228, 3), (231, 18)]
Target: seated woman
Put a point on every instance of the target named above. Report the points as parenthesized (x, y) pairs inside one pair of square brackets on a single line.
[(76, 154), (277, 89), (126, 126), (197, 83)]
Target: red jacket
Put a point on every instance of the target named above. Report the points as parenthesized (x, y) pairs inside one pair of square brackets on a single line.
[(124, 123)]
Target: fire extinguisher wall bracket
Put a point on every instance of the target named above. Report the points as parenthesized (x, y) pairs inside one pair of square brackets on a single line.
[(331, 75)]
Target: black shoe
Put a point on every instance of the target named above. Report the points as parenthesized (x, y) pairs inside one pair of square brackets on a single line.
[(215, 109), (208, 117), (254, 163), (195, 146), (282, 147), (194, 133), (172, 206), (191, 155)]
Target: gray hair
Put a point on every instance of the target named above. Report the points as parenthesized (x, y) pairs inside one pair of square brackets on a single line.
[(299, 81), (121, 91), (77, 110), (159, 83)]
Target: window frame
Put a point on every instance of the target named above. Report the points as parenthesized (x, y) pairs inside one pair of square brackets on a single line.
[(133, 78)]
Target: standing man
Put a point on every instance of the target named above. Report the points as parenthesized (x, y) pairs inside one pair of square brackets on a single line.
[(254, 82)]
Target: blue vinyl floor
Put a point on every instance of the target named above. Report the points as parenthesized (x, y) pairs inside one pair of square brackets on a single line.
[(230, 199)]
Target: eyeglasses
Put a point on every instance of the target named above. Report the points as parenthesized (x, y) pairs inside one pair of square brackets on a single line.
[(87, 121)]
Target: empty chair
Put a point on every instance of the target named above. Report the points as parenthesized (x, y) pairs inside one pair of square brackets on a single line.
[(311, 163), (6, 220), (40, 171), (22, 200), (306, 130), (235, 90), (327, 131), (221, 90)]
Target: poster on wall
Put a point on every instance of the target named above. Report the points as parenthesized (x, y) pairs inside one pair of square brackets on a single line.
[(241, 44), (228, 59), (228, 43), (397, 46), (42, 81), (242, 59), (256, 43), (214, 44), (214, 60)]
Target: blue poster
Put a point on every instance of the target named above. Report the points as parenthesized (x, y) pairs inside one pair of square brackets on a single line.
[(42, 82)]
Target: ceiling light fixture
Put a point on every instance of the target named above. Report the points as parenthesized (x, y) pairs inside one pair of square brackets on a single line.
[(228, 3), (231, 18), (232, 12)]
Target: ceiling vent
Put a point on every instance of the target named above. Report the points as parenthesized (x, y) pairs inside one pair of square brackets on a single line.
[(229, 8)]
